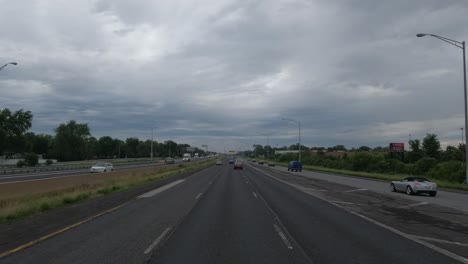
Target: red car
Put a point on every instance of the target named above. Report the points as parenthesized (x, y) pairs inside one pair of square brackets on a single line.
[(238, 165)]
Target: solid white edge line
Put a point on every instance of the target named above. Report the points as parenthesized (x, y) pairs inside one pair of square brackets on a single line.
[(341, 202), (356, 190), (198, 196), (411, 205), (415, 239), (158, 240), (441, 241), (407, 236), (160, 189), (282, 236), (312, 189)]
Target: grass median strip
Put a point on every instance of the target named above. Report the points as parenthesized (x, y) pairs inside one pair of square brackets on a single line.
[(381, 176), (26, 204), (387, 177)]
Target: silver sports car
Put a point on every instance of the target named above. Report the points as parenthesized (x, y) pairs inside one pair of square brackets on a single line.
[(414, 185)]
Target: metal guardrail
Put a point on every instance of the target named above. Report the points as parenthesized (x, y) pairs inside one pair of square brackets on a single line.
[(65, 167), (39, 169), (8, 171)]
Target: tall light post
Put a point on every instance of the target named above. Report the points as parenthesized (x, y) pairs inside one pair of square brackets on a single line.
[(461, 45), (299, 123), (12, 63), (152, 135), (461, 128)]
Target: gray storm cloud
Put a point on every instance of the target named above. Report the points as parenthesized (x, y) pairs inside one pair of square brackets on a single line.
[(225, 72)]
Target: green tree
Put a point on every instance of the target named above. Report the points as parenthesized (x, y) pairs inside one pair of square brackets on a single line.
[(336, 148), (144, 149), (131, 145), (38, 143), (171, 148), (364, 148), (415, 145), (92, 147), (106, 147), (259, 150), (431, 146), (452, 153), (119, 146), (71, 141), (12, 129)]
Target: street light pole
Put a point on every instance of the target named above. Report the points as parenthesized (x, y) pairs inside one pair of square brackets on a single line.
[(12, 63), (300, 157), (461, 128), (461, 45), (152, 132), (299, 123)]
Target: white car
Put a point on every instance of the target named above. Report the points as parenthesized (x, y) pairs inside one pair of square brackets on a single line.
[(414, 185), (102, 167)]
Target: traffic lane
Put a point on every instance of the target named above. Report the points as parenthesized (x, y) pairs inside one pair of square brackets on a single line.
[(444, 198), (68, 173), (329, 234), (230, 224), (123, 235), (421, 221)]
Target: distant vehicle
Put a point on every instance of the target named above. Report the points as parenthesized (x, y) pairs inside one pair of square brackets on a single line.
[(414, 185), (295, 165), (196, 156), (261, 162), (101, 167), (187, 157), (169, 161), (271, 164), (238, 165), (231, 161), (254, 161), (219, 162)]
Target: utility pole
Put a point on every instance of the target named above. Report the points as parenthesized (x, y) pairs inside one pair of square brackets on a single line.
[(460, 45), (461, 128), (152, 132)]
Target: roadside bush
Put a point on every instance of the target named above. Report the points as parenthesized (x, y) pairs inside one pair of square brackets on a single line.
[(20, 163), (31, 159), (395, 166), (380, 166), (414, 156), (453, 171), (364, 161), (409, 169), (424, 165), (291, 156)]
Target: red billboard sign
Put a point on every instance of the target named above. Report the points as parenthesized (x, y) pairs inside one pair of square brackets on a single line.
[(397, 147)]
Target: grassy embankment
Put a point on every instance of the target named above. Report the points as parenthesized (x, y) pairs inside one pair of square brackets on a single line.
[(381, 176), (28, 198)]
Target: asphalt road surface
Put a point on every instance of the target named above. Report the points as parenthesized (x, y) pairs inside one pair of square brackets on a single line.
[(255, 215), (458, 200)]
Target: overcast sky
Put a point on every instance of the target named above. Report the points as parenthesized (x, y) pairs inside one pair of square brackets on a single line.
[(224, 73)]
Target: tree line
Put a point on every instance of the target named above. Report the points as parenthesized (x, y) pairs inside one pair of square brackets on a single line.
[(73, 141), (425, 158)]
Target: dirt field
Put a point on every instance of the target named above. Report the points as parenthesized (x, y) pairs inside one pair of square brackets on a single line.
[(20, 189)]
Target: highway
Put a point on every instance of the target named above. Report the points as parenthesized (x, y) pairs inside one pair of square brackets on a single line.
[(38, 175), (258, 215)]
